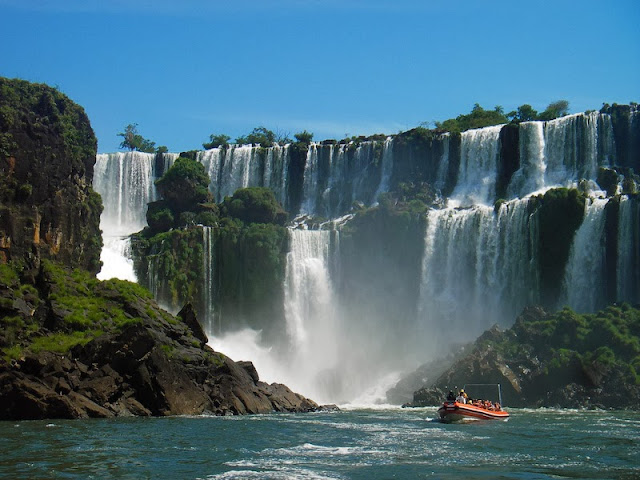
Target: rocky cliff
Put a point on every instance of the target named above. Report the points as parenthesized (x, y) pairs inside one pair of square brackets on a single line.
[(563, 359), (47, 152), (76, 347)]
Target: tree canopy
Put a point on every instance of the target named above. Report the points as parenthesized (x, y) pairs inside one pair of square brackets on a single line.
[(185, 184), (478, 118), (259, 135), (132, 140), (216, 141), (304, 137), (526, 112), (254, 205)]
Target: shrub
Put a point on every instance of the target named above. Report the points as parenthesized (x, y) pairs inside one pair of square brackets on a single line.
[(254, 205), (184, 185)]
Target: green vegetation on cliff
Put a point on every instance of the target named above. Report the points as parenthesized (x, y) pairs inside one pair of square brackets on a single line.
[(184, 185), (246, 245), (254, 205), (479, 117), (564, 359), (609, 338), (47, 152), (56, 308)]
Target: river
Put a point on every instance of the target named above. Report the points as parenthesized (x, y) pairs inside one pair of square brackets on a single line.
[(356, 443)]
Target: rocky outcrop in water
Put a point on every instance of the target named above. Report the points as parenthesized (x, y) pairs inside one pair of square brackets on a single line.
[(113, 352), (47, 152), (547, 360)]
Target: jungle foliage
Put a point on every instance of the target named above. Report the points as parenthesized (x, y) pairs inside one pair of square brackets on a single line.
[(598, 342)]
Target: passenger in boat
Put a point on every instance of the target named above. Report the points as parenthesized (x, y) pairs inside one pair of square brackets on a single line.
[(461, 398), (451, 397), (498, 407), (466, 397)]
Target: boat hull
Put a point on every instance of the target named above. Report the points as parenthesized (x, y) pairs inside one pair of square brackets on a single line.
[(457, 412)]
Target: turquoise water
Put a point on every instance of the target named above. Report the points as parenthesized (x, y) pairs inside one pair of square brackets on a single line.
[(352, 444)]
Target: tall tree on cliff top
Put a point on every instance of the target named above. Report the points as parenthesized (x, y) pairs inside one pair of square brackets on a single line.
[(134, 141)]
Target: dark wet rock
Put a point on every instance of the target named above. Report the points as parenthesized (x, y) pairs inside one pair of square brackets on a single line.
[(139, 372), (188, 316), (150, 363)]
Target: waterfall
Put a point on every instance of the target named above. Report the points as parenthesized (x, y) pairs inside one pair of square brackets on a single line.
[(125, 181), (443, 165), (230, 168), (479, 265), (628, 258), (479, 268), (478, 167), (208, 269), (575, 146), (584, 273), (336, 176), (530, 177), (387, 168), (276, 172), (310, 309), (311, 179)]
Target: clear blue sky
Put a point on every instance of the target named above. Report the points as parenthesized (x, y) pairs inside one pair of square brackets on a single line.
[(184, 69)]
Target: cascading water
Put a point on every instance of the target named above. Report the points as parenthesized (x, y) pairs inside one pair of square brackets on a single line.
[(531, 176), (387, 167), (479, 264), (310, 309), (478, 167), (231, 168), (125, 181), (336, 176), (208, 269), (276, 172), (584, 275), (478, 269), (574, 147), (628, 258), (443, 165)]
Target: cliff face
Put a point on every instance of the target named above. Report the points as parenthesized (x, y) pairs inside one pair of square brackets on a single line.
[(47, 152)]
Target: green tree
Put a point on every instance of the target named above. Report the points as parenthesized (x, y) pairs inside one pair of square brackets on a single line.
[(132, 140), (184, 185), (216, 141), (525, 113), (254, 205), (556, 109), (478, 118), (259, 135), (304, 137)]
